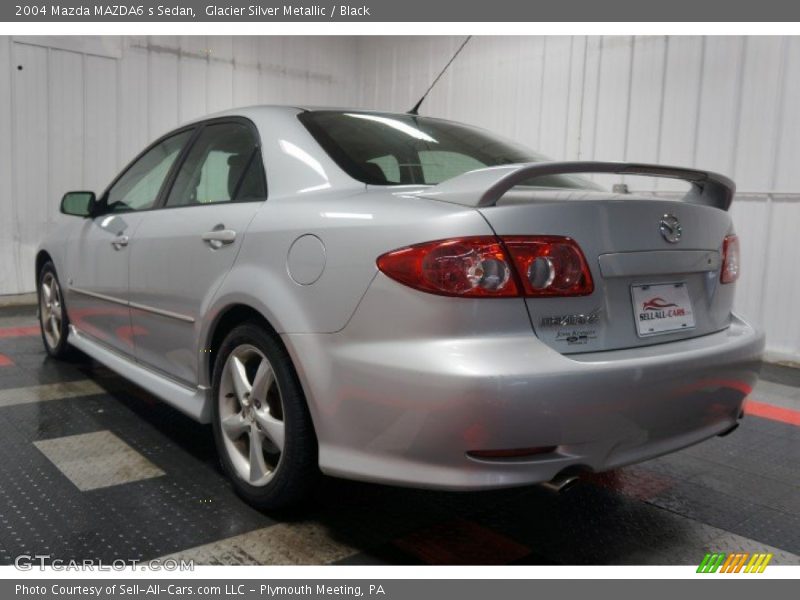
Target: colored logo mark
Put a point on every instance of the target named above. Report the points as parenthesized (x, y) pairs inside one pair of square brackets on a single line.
[(738, 562), (657, 304)]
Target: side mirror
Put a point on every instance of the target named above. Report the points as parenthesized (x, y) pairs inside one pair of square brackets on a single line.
[(78, 204)]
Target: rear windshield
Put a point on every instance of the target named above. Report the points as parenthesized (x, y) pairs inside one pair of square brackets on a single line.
[(392, 149)]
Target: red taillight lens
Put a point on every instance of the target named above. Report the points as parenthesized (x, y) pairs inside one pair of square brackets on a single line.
[(485, 267), (730, 259), (550, 266), (476, 266)]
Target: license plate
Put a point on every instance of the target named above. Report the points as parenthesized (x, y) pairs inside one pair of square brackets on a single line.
[(661, 308)]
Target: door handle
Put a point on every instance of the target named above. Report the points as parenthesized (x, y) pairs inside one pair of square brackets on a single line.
[(217, 238), (120, 242)]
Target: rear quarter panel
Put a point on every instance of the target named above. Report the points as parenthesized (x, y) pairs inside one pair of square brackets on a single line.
[(354, 228)]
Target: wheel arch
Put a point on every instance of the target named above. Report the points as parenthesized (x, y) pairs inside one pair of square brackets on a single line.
[(42, 258), (224, 322)]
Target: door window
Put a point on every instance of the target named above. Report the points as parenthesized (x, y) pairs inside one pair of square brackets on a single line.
[(138, 187), (223, 165)]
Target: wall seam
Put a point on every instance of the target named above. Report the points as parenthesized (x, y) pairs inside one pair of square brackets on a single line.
[(629, 100), (16, 241), (778, 135), (583, 94), (568, 103), (698, 100), (47, 137), (600, 55)]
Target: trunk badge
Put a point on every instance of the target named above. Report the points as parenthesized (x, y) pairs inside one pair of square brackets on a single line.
[(670, 228), (589, 318)]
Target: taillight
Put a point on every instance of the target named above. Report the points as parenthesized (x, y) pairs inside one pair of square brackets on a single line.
[(550, 266), (476, 266), (730, 259), (492, 267)]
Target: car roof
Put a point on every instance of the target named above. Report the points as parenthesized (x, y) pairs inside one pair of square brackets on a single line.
[(258, 110)]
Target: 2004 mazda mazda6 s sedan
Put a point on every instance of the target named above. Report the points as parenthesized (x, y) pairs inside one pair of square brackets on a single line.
[(405, 300)]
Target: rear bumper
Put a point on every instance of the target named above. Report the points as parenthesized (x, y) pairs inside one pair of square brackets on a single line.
[(407, 411)]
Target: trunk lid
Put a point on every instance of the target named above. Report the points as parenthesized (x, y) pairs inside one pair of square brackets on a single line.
[(647, 290)]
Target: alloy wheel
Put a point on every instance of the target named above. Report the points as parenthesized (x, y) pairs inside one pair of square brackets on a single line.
[(51, 310), (251, 415)]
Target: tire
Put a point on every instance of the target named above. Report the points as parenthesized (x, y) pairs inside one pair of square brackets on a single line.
[(53, 319), (257, 396)]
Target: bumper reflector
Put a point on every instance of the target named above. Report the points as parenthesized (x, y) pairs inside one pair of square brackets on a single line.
[(512, 453)]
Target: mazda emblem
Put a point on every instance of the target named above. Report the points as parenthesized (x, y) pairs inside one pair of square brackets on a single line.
[(670, 229)]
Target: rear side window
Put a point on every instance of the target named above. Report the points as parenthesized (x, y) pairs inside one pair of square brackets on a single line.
[(439, 165), (389, 168), (138, 187), (252, 186), (402, 149), (223, 165)]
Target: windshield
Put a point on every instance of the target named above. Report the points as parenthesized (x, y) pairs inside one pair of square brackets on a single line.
[(392, 149)]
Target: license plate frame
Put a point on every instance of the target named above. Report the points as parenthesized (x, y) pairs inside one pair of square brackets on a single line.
[(661, 308)]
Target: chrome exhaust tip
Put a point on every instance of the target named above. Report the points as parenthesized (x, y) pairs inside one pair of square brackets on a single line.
[(560, 483)]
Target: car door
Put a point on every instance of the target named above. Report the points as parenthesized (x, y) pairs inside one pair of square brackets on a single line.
[(100, 253), (183, 251)]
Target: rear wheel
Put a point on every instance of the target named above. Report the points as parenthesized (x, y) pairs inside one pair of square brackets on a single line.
[(262, 427), (53, 320)]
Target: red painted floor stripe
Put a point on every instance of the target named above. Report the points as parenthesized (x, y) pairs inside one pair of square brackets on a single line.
[(9, 332), (5, 361), (774, 413)]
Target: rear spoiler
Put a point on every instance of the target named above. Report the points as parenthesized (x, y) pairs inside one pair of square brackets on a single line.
[(484, 187)]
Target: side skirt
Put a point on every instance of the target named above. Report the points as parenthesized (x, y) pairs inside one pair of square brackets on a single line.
[(194, 402)]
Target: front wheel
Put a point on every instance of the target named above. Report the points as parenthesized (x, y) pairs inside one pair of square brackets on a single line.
[(262, 427), (53, 320)]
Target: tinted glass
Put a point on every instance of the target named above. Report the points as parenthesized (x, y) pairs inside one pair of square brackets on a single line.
[(138, 187), (392, 149), (252, 185), (217, 166)]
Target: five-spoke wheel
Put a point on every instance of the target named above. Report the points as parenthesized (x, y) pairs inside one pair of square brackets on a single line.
[(52, 313), (262, 425), (251, 413), (51, 309)]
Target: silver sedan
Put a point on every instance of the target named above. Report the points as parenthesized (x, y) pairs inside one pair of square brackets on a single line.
[(406, 300)]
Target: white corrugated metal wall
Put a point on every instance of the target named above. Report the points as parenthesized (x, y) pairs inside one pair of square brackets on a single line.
[(74, 110), (728, 104), (81, 107)]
